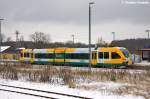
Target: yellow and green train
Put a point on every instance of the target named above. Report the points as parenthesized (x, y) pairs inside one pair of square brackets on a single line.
[(108, 57)]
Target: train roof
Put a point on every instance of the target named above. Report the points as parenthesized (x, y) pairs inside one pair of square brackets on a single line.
[(71, 50), (110, 48), (49, 50)]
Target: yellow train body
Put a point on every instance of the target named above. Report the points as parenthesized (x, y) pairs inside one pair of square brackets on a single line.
[(101, 57), (9, 56)]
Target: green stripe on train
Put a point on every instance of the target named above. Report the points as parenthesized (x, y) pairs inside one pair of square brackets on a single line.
[(77, 63), (47, 63), (42, 62), (102, 65)]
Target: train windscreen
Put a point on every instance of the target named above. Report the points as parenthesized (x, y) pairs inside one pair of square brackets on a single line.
[(125, 52)]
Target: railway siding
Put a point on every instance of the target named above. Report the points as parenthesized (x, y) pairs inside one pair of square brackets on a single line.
[(39, 93)]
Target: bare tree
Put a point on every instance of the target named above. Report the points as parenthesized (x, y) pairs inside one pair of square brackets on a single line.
[(40, 39), (21, 38), (100, 41), (3, 37), (8, 39), (69, 42)]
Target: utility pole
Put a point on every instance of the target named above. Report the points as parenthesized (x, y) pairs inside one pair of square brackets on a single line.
[(0, 39), (148, 33), (90, 55), (17, 36), (113, 33), (72, 38)]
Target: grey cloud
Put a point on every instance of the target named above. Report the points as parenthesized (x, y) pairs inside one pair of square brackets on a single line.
[(73, 11), (114, 10)]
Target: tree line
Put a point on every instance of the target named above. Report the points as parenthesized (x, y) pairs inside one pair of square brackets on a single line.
[(43, 40)]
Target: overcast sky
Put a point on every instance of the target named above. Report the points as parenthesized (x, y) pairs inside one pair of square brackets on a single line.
[(62, 18)]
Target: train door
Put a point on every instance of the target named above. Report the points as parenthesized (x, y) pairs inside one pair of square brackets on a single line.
[(103, 59), (106, 57), (94, 57)]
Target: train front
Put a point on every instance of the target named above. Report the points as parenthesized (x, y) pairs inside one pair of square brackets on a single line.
[(127, 56)]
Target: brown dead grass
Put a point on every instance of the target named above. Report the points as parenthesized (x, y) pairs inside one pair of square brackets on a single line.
[(139, 83)]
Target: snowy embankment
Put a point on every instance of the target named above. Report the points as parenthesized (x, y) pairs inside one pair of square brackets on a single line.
[(103, 94)]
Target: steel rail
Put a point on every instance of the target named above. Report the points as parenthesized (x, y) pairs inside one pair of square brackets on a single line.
[(25, 93), (63, 94)]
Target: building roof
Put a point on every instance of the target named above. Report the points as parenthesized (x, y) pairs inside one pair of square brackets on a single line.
[(144, 49), (3, 48)]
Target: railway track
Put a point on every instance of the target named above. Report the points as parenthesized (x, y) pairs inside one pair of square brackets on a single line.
[(131, 67), (13, 89)]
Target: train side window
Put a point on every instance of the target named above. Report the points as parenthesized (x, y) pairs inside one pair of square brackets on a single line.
[(106, 55), (50, 56), (84, 56), (100, 55), (59, 55), (44, 55), (21, 54), (77, 56), (115, 55), (67, 56), (36, 55), (25, 55), (28, 55), (32, 56)]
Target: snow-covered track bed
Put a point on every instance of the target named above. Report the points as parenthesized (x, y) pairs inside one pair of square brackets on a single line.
[(39, 93)]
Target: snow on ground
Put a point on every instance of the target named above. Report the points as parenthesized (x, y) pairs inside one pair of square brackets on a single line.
[(105, 85), (9, 95), (143, 63), (64, 89), (3, 48)]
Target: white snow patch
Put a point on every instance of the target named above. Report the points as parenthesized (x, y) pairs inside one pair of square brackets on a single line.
[(64, 89), (3, 48), (10, 95), (143, 63), (105, 85)]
